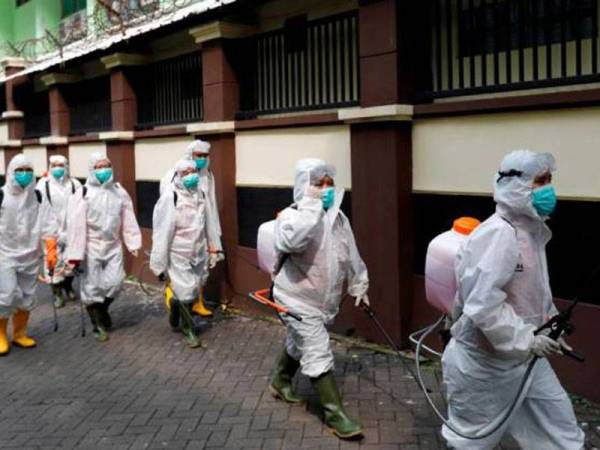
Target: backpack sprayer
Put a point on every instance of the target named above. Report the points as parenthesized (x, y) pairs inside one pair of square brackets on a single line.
[(271, 262)]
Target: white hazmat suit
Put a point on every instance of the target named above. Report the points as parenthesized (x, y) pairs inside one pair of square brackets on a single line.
[(322, 256), (23, 222), (96, 222), (57, 194), (206, 186), (503, 297), (182, 236)]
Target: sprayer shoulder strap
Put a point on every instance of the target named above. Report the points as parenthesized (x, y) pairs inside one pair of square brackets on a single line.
[(47, 186), (175, 198)]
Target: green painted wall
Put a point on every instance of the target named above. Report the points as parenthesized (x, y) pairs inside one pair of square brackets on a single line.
[(34, 17)]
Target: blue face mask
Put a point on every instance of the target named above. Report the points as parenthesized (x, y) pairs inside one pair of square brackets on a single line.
[(190, 181), (103, 175), (58, 172), (328, 197), (544, 200), (23, 179), (201, 163)]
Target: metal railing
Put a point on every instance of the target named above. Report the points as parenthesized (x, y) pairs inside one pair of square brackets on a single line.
[(36, 111), (481, 46), (306, 65), (90, 105), (170, 91)]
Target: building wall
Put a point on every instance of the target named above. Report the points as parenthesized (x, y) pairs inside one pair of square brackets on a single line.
[(79, 155), (6, 22), (268, 157), (37, 156), (35, 17), (461, 154)]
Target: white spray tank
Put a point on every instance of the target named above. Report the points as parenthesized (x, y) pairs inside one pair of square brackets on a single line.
[(440, 278), (265, 247)]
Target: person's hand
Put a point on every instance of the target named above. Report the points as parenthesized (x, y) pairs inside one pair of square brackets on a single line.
[(213, 259), (362, 299), (563, 345), (543, 346), (162, 277), (134, 253), (313, 192)]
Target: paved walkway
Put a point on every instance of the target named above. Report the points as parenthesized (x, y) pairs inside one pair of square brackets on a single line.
[(145, 390)]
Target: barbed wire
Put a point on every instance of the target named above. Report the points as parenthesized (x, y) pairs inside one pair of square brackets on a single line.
[(80, 30)]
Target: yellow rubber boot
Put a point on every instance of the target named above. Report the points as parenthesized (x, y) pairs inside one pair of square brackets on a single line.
[(199, 307), (20, 337), (168, 297), (4, 345)]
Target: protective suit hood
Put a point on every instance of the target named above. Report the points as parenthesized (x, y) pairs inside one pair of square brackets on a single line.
[(91, 179), (310, 171), (61, 160), (198, 146), (513, 182), (19, 160), (181, 166)]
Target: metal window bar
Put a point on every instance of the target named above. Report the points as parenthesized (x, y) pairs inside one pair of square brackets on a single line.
[(36, 111), (90, 105), (323, 73), (481, 46), (169, 91)]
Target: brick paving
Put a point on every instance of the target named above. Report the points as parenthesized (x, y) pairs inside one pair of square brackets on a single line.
[(145, 390)]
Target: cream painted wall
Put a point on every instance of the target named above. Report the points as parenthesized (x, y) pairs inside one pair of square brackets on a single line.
[(37, 156), (3, 131), (79, 155), (2, 163), (268, 157), (154, 157), (462, 154)]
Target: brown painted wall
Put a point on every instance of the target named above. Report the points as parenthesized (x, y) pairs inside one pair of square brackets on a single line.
[(60, 119), (124, 101), (381, 156)]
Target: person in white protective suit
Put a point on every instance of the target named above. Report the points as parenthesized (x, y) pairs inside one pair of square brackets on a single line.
[(503, 297), (57, 187), (180, 241), (99, 214), (198, 151), (317, 254), (24, 219)]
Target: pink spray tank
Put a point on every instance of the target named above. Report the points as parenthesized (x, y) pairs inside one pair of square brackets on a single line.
[(440, 278)]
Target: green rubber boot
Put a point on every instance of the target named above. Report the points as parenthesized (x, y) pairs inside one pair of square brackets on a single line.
[(59, 300), (103, 314), (174, 314), (98, 327), (281, 380), (331, 402), (187, 325)]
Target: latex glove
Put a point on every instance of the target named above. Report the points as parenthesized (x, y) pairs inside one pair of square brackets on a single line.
[(134, 253), (563, 344), (544, 346), (162, 277), (362, 299), (213, 259)]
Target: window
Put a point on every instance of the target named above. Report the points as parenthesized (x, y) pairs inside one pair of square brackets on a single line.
[(89, 104), (70, 7), (306, 65), (511, 24), (169, 91)]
